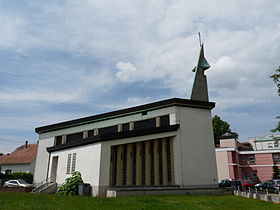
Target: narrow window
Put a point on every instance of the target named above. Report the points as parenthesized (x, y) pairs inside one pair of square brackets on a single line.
[(68, 164), (90, 133), (145, 124), (276, 158), (125, 127), (243, 158), (8, 172), (164, 121), (254, 175), (106, 130), (73, 163), (252, 159), (270, 145), (58, 140), (74, 137)]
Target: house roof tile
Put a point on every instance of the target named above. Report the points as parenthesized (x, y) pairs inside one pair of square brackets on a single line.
[(20, 155)]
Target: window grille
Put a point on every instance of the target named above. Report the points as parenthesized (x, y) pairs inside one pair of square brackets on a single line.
[(68, 164), (73, 163)]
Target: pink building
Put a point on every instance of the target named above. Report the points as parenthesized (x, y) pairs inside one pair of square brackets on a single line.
[(236, 160)]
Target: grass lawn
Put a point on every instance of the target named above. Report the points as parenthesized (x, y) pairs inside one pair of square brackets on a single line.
[(12, 200)]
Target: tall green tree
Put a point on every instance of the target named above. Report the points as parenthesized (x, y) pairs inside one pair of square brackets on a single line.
[(276, 78), (219, 128)]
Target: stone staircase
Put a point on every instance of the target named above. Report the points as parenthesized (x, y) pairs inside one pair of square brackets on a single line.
[(46, 186)]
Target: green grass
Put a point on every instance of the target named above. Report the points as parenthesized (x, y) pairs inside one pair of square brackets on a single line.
[(12, 200)]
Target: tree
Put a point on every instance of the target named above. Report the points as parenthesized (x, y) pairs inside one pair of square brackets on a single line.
[(276, 78), (220, 127)]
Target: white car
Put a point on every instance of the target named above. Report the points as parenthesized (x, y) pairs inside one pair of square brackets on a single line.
[(17, 183)]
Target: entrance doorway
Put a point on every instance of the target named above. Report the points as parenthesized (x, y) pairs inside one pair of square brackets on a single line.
[(54, 169)]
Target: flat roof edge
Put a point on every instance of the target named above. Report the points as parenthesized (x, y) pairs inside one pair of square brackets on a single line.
[(125, 112)]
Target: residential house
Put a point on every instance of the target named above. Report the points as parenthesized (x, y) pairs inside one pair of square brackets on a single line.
[(20, 160)]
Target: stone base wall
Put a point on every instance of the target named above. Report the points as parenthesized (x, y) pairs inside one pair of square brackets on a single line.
[(178, 191), (16, 189)]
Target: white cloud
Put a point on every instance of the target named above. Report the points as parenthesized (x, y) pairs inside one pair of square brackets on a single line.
[(16, 96), (127, 72)]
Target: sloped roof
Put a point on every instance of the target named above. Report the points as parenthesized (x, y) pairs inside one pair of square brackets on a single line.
[(3, 158), (22, 154)]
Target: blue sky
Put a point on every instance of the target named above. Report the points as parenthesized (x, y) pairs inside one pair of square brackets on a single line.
[(62, 60)]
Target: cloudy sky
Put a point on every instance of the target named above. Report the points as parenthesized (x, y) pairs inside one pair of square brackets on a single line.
[(61, 60)]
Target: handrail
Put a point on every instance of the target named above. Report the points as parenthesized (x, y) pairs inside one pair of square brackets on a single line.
[(43, 183)]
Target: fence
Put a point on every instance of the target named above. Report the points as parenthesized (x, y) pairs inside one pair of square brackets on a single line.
[(255, 194)]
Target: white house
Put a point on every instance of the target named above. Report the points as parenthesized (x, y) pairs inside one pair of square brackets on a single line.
[(167, 144), (21, 159)]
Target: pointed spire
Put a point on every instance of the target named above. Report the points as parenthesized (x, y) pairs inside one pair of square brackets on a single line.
[(200, 90)]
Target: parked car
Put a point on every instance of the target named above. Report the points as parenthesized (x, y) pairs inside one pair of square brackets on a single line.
[(17, 183), (274, 185), (247, 183), (262, 185), (225, 183), (236, 184)]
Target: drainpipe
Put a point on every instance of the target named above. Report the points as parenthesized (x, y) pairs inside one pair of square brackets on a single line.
[(48, 165)]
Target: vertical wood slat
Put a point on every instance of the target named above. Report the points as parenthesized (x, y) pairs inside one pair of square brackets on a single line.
[(138, 164), (164, 162), (111, 167), (129, 165), (171, 176), (143, 163), (134, 164), (156, 162), (124, 164), (152, 166), (114, 165), (160, 164), (119, 165), (148, 164)]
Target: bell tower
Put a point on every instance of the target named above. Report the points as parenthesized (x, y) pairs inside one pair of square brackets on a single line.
[(200, 90)]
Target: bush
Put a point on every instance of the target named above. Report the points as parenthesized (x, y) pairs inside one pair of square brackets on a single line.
[(28, 177), (70, 186)]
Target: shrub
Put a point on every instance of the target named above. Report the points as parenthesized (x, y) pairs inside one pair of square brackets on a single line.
[(28, 177), (70, 186)]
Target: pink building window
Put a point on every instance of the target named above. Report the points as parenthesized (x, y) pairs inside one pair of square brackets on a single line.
[(252, 159), (246, 175), (276, 158), (254, 175), (243, 158)]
